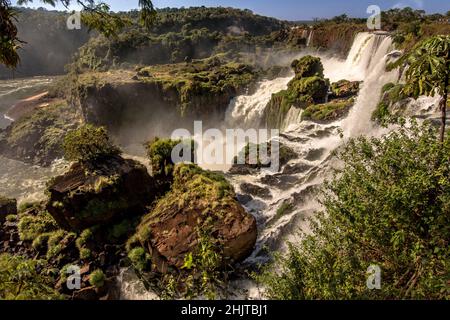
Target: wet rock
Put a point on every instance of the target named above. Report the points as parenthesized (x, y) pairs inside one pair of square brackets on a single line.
[(296, 168), (315, 154), (199, 199), (7, 207), (344, 89), (115, 189), (244, 198), (255, 190)]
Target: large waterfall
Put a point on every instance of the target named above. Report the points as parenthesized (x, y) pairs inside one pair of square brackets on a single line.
[(296, 185)]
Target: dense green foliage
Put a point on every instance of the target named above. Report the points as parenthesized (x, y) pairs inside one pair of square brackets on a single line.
[(89, 144), (159, 151), (179, 35), (24, 279), (388, 206), (95, 15), (428, 71)]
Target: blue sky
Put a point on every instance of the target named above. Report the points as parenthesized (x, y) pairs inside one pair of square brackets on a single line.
[(291, 9)]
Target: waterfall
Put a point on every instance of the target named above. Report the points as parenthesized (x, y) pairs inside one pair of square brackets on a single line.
[(310, 37), (359, 119), (246, 111), (313, 144)]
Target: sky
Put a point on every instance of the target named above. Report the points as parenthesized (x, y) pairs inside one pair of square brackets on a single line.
[(288, 9)]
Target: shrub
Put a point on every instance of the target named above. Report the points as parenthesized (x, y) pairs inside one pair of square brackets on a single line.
[(25, 279), (30, 227), (97, 278), (388, 206), (159, 151), (140, 260), (88, 144)]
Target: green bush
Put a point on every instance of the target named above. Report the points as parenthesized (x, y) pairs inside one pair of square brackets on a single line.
[(88, 144), (25, 279), (388, 206), (97, 278), (139, 259), (159, 151)]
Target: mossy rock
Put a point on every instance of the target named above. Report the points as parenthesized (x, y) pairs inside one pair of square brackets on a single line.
[(308, 66), (37, 137), (329, 111), (252, 158), (344, 89), (86, 196), (198, 199)]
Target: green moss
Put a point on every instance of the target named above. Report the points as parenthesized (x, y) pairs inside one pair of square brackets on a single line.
[(30, 227), (38, 135), (121, 230), (40, 242), (307, 87), (84, 237), (327, 112), (140, 259), (308, 66), (57, 242), (85, 253), (97, 278), (11, 218)]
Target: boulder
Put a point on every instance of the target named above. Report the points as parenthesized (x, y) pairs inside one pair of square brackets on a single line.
[(7, 207), (255, 190), (344, 89), (114, 189), (198, 200), (308, 66)]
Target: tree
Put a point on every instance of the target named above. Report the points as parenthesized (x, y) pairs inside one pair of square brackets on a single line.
[(428, 72), (89, 144), (96, 16), (388, 206)]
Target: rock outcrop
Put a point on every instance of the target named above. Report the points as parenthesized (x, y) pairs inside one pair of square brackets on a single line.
[(7, 207), (36, 136), (112, 190), (344, 89), (198, 200), (307, 88)]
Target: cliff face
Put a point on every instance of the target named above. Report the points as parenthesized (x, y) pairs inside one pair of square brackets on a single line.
[(337, 38), (159, 99)]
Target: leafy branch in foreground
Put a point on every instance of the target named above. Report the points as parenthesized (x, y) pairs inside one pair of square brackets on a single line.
[(428, 72), (389, 206), (95, 15)]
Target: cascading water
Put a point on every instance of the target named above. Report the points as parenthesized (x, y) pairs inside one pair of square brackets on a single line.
[(310, 37), (246, 111), (313, 143), (297, 183)]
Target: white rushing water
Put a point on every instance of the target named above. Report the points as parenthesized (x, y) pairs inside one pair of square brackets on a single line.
[(297, 181)]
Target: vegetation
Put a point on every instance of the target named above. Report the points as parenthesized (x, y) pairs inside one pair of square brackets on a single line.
[(307, 88), (388, 206), (24, 279), (37, 137), (328, 111), (428, 72), (89, 144), (94, 15), (97, 278)]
